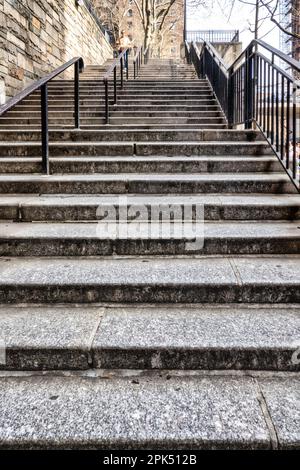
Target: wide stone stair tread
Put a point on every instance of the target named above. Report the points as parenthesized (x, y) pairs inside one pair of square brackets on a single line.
[(103, 238), (149, 412), (261, 279), (217, 206), (181, 338)]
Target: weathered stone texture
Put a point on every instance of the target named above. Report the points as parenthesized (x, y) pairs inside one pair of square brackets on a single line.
[(38, 36)]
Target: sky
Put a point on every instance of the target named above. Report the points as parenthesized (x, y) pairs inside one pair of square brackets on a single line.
[(217, 17)]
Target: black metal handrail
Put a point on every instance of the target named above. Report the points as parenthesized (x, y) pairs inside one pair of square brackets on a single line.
[(257, 92), (138, 61), (120, 60), (42, 85), (208, 63)]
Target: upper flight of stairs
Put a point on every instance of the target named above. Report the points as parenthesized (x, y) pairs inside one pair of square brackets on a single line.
[(138, 342), (164, 94)]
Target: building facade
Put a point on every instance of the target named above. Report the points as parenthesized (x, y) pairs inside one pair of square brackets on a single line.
[(290, 20), (156, 24)]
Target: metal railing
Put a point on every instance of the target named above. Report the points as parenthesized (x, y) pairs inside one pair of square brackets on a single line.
[(42, 85), (138, 61), (213, 36), (257, 93), (120, 61), (209, 64)]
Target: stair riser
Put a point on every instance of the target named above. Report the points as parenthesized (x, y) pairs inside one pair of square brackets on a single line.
[(141, 167), (144, 187), (55, 115), (101, 150), (172, 359), (109, 134), (97, 121), (134, 103), (206, 359), (159, 294), (95, 125), (53, 122), (94, 107), (28, 213), (186, 149), (98, 247)]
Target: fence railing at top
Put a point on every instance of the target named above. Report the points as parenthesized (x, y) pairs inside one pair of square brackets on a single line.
[(257, 93), (213, 36)]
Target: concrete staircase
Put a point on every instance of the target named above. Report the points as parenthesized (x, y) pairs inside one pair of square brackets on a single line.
[(137, 342)]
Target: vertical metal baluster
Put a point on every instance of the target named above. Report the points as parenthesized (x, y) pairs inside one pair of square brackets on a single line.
[(115, 86), (106, 101), (45, 128), (264, 98), (256, 87), (76, 96), (127, 63), (282, 118), (268, 99), (272, 106), (121, 71), (288, 95), (260, 92), (277, 111), (295, 163)]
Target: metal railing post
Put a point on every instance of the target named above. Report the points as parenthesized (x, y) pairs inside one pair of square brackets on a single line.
[(106, 101), (248, 98), (121, 71), (76, 96), (231, 99), (115, 85), (45, 129)]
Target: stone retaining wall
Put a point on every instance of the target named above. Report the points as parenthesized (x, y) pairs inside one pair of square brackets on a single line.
[(36, 36)]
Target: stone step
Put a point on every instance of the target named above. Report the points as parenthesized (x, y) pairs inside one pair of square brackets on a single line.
[(165, 93), (147, 183), (61, 100), (229, 337), (161, 411), (230, 207), (90, 122), (84, 165), (259, 279), (138, 115), (196, 148), (149, 238), (207, 109), (178, 113), (33, 149), (132, 133), (201, 148), (54, 121), (134, 85), (97, 123), (168, 119)]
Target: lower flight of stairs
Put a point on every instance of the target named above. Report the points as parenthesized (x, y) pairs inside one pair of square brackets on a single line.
[(138, 342)]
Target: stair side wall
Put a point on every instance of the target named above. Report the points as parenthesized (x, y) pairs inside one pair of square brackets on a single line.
[(38, 36)]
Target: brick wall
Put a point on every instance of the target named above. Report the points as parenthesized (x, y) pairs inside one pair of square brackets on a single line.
[(37, 36)]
